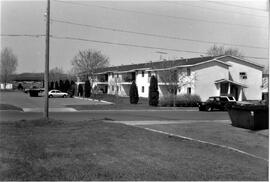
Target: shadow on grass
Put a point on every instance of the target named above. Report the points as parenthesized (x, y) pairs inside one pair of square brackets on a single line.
[(36, 123), (6, 107)]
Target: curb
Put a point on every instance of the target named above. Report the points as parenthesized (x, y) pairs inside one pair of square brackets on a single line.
[(134, 110), (93, 100), (161, 122), (66, 109)]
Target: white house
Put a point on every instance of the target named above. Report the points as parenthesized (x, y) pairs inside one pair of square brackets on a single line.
[(204, 76)]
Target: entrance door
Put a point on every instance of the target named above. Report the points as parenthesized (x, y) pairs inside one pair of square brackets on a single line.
[(234, 92)]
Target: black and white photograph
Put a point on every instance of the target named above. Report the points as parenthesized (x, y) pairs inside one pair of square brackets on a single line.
[(106, 90)]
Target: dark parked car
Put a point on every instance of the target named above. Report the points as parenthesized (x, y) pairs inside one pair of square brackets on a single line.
[(216, 102)]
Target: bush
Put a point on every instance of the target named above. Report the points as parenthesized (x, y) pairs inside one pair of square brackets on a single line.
[(80, 90), (67, 85), (62, 86), (87, 89), (51, 86), (133, 93), (153, 92), (185, 100)]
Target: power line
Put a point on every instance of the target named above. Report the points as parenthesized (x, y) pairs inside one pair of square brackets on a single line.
[(239, 6), (113, 43), (154, 35), (125, 44), (214, 9), (138, 46), (162, 15)]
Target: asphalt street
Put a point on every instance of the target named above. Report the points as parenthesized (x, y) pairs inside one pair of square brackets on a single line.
[(118, 115)]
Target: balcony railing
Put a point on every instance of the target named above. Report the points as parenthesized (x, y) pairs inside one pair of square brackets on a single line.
[(127, 79)]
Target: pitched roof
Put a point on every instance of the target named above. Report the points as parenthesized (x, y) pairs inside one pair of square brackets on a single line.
[(156, 65), (28, 77), (33, 77)]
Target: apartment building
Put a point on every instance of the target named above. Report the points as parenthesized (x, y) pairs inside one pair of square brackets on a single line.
[(204, 76)]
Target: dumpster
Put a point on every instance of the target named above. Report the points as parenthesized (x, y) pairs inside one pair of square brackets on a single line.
[(249, 116)]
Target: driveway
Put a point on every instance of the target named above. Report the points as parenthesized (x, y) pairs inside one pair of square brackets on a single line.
[(23, 100)]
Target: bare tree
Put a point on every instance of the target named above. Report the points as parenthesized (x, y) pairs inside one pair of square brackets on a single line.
[(221, 50), (115, 82), (174, 80), (8, 64), (85, 62), (56, 74)]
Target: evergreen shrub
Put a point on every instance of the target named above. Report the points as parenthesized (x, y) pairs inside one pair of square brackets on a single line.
[(153, 92), (133, 93)]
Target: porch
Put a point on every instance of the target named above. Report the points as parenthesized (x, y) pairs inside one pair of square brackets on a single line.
[(232, 88)]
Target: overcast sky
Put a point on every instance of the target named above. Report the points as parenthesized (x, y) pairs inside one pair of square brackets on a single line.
[(177, 28)]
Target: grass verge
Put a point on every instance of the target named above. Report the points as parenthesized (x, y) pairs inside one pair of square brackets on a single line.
[(94, 150)]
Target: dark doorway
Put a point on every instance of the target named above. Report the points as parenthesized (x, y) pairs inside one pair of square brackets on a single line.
[(133, 76), (234, 92)]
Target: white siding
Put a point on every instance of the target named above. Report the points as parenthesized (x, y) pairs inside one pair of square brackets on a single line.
[(205, 77), (254, 77), (142, 81)]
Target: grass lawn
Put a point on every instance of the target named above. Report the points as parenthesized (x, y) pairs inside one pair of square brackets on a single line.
[(94, 150), (254, 142), (121, 103), (10, 107)]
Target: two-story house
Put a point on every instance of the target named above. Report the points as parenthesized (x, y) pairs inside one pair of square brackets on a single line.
[(204, 76)]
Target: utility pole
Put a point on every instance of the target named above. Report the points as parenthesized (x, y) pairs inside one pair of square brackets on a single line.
[(47, 57)]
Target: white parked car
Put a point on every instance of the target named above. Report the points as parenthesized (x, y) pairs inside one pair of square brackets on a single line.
[(57, 93)]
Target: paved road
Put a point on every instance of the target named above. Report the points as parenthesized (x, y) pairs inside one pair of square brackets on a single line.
[(119, 115), (23, 100)]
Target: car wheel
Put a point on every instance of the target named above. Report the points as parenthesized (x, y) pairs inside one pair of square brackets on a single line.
[(50, 96), (64, 96)]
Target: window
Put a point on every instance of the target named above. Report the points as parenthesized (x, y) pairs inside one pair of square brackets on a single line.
[(142, 89), (243, 75), (189, 90), (188, 71), (223, 99), (142, 73)]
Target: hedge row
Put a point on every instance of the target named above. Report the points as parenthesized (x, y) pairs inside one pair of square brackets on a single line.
[(185, 100)]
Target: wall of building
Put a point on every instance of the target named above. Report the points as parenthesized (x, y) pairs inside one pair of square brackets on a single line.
[(254, 77), (205, 77), (143, 81), (8, 86)]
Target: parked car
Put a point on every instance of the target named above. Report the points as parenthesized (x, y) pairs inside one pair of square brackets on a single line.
[(57, 93), (26, 90), (216, 102)]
